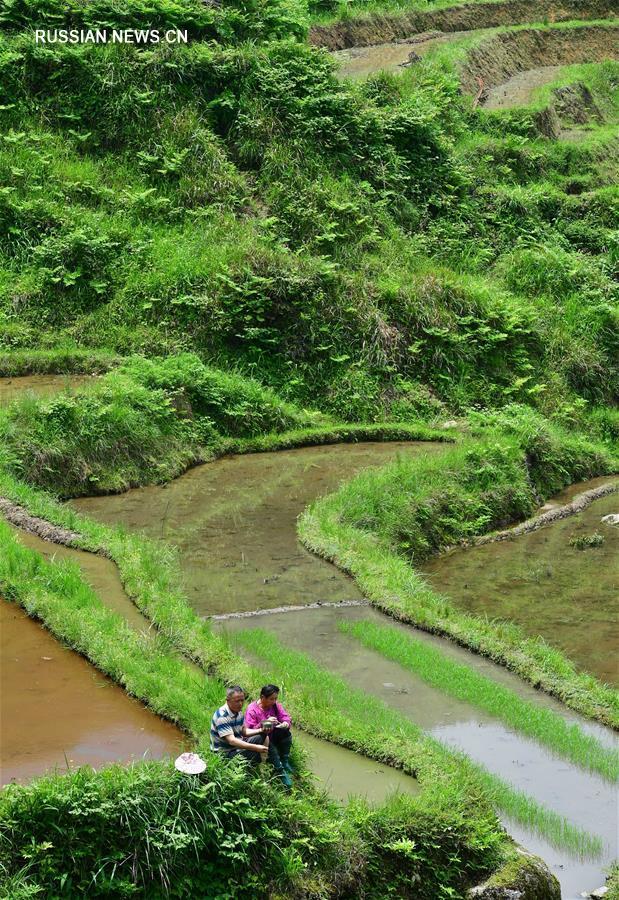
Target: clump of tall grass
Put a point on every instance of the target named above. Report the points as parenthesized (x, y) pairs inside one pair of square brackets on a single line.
[(147, 829), (149, 420), (327, 706), (463, 682)]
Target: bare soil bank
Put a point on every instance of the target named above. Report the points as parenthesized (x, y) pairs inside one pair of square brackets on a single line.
[(501, 56), (378, 29)]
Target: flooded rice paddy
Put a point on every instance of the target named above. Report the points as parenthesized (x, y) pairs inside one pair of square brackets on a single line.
[(58, 712), (234, 523), (548, 586), (520, 88), (391, 56), (585, 799), (40, 385)]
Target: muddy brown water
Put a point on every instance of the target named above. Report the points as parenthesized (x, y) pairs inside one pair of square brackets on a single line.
[(585, 799), (58, 711), (547, 586), (392, 56), (114, 732), (234, 523), (345, 774), (40, 385)]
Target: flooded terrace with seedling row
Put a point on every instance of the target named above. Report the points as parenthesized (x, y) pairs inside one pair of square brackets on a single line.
[(233, 523), (57, 711)]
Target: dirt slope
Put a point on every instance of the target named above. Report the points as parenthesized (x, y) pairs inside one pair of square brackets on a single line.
[(378, 29)]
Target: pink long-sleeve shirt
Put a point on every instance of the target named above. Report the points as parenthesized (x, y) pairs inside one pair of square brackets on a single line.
[(255, 714)]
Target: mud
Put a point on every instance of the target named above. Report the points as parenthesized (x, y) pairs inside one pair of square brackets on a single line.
[(498, 58), (519, 89), (575, 104), (22, 519), (359, 62), (40, 385), (58, 712), (546, 585), (234, 523), (583, 798)]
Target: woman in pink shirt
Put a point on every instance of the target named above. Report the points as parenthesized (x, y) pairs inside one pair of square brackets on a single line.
[(267, 716)]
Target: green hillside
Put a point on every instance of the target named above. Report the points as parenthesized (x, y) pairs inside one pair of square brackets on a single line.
[(259, 253), (379, 250)]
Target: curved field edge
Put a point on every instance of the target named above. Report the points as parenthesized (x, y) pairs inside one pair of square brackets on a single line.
[(148, 421), (149, 572), (362, 27), (55, 594), (364, 550)]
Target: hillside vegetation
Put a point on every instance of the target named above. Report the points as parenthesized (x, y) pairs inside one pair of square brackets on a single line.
[(380, 250), (258, 253)]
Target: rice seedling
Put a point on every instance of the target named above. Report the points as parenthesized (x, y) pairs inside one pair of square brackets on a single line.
[(436, 668), (327, 706)]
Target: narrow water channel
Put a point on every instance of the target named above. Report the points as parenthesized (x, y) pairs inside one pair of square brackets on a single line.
[(57, 711)]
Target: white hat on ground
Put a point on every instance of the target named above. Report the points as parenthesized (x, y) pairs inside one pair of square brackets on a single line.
[(190, 764)]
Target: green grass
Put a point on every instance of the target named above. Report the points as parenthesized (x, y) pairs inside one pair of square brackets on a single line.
[(374, 302), (327, 706), (601, 78), (456, 835), (60, 361), (147, 421), (379, 525), (461, 681)]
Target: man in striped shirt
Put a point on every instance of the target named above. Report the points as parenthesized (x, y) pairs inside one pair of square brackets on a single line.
[(227, 729)]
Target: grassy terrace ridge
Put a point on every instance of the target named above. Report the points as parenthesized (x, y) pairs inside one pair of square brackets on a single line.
[(376, 527), (463, 682), (147, 421), (325, 705), (333, 12), (61, 361), (154, 672)]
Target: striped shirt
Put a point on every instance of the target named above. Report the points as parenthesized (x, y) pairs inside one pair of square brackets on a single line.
[(225, 722)]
